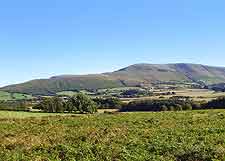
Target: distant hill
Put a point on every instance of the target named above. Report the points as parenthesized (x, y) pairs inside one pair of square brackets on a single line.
[(134, 75)]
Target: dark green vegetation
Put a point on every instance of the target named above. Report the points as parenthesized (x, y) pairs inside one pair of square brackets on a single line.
[(174, 104), (108, 103), (135, 75), (135, 93), (15, 105), (218, 103), (217, 87), (163, 136), (78, 103)]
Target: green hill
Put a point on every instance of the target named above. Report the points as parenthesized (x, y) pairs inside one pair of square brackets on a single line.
[(139, 74), (63, 83)]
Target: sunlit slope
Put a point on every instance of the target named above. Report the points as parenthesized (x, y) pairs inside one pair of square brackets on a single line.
[(133, 75)]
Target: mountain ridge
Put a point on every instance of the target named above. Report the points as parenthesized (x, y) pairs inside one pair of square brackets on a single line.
[(133, 75)]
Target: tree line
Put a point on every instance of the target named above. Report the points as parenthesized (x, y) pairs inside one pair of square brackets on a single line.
[(173, 104), (160, 105), (81, 103), (15, 105)]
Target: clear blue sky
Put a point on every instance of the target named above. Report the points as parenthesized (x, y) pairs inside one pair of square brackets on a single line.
[(41, 38)]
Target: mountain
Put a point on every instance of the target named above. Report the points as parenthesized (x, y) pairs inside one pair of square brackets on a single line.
[(134, 75)]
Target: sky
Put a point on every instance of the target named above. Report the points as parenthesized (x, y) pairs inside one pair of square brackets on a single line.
[(43, 38)]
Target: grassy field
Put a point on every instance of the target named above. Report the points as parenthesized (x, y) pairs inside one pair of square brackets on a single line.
[(165, 136), (21, 115), (15, 96), (195, 94), (199, 94)]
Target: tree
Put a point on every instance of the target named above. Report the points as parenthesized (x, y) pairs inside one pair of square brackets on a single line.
[(78, 103), (47, 105), (171, 108), (58, 104), (187, 107), (178, 107), (84, 103), (70, 105), (51, 105), (164, 108)]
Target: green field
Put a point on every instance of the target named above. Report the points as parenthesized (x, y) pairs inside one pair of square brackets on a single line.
[(72, 93), (14, 96), (181, 136), (67, 93), (195, 94)]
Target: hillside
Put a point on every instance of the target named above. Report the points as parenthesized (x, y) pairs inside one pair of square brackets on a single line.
[(138, 74), (63, 83)]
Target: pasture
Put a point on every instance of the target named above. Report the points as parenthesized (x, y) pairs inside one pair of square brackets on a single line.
[(163, 136), (4, 96), (195, 94)]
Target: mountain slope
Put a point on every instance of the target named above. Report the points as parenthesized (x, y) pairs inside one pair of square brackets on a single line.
[(133, 75), (63, 83)]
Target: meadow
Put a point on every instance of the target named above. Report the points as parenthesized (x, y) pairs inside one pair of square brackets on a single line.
[(162, 136), (195, 94), (4, 96)]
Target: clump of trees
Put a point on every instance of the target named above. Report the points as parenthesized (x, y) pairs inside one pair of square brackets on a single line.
[(161, 105), (135, 93), (79, 103), (108, 103), (173, 104), (218, 103)]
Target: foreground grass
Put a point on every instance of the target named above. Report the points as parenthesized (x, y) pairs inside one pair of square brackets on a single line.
[(15, 115), (182, 136)]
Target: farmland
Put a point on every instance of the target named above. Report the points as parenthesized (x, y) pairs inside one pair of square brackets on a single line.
[(13, 96), (195, 94), (191, 135)]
